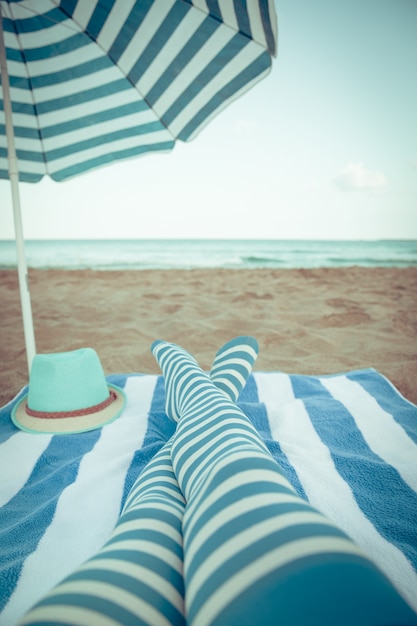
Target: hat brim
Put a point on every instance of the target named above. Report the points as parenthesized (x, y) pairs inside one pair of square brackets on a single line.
[(67, 425)]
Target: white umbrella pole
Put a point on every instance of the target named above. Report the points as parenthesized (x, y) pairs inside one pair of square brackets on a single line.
[(14, 180)]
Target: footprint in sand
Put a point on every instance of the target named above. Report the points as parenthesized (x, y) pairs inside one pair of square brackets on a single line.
[(341, 303), (352, 316), (252, 295), (405, 322)]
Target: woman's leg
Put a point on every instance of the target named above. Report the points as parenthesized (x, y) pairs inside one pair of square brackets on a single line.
[(254, 552), (137, 577)]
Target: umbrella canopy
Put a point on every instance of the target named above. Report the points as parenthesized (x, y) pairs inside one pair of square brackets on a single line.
[(87, 82)]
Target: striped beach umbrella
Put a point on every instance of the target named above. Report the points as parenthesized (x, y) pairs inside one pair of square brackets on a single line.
[(88, 82)]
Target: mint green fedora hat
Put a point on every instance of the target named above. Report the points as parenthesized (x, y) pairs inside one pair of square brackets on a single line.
[(68, 393)]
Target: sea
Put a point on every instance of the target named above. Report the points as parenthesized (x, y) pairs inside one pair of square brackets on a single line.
[(211, 253)]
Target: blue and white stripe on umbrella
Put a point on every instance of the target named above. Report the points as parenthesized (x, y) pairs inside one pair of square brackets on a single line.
[(96, 81)]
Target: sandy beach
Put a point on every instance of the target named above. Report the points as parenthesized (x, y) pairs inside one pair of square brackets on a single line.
[(318, 321)]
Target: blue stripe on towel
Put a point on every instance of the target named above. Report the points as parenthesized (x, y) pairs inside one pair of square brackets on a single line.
[(117, 379), (402, 411), (7, 428), (363, 470), (20, 533)]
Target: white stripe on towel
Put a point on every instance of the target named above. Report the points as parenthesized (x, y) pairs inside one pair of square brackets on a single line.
[(382, 433)]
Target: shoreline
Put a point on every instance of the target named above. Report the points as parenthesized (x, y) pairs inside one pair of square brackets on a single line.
[(307, 321)]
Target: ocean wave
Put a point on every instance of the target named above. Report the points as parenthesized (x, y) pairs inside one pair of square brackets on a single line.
[(189, 254)]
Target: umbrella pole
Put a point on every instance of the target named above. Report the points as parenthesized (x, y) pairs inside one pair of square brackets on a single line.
[(14, 181)]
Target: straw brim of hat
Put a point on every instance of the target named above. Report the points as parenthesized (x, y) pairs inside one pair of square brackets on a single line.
[(66, 425)]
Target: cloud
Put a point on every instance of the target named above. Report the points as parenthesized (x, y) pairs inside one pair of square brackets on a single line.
[(355, 177)]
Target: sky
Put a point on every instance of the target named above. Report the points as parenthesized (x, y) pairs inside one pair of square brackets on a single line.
[(325, 147)]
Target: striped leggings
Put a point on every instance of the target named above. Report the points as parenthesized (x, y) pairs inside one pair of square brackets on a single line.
[(213, 533)]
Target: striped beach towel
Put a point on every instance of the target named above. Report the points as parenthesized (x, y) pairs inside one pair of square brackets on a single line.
[(347, 442)]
